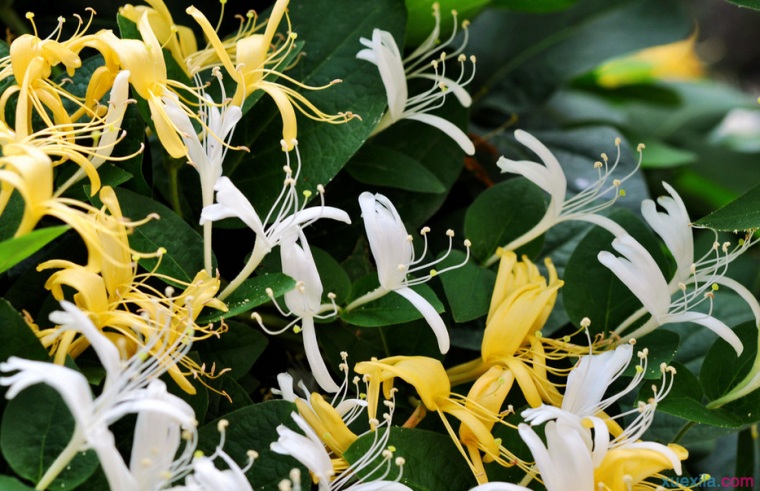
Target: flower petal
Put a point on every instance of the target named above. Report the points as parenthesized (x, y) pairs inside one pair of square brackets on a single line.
[(431, 316), (447, 127)]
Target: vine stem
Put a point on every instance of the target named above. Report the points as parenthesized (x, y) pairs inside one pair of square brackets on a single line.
[(682, 432)]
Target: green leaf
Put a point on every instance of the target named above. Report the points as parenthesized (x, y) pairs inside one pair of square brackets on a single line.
[(547, 50), (184, 247), (421, 21), (753, 4), (593, 291), (511, 440), (433, 462), (741, 214), (468, 288), (503, 213), (12, 215), (8, 483), (389, 309), (230, 397), (685, 400), (250, 294), (16, 338), (199, 400), (36, 427), (134, 125), (745, 454), (332, 29), (659, 155), (534, 6), (13, 251), (661, 344), (380, 166), (254, 428), (236, 349)]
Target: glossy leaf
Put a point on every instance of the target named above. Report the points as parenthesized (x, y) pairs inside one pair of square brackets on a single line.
[(249, 295), (236, 349), (741, 214), (380, 166), (468, 289), (13, 251)]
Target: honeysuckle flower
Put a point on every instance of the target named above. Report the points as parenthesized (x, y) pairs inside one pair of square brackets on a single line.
[(396, 71), (311, 453), (565, 462), (305, 303), (520, 305), (429, 378), (111, 292), (179, 40), (207, 477), (206, 152), (640, 273), (253, 63), (286, 216), (704, 274), (392, 249), (551, 178), (129, 387)]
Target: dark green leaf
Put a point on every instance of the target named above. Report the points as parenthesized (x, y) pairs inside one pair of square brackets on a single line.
[(659, 155), (661, 344), (753, 4), (741, 214), (184, 247), (13, 251), (36, 427), (230, 397), (8, 483), (421, 20), (380, 166), (534, 6), (11, 217), (237, 349), (254, 428), (389, 309), (685, 400), (199, 400), (745, 454), (17, 338), (433, 462), (250, 294), (593, 291), (722, 369), (468, 289), (501, 214), (332, 30)]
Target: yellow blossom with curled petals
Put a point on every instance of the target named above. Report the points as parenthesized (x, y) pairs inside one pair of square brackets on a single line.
[(429, 379), (120, 302), (179, 40), (625, 469), (327, 423), (253, 60)]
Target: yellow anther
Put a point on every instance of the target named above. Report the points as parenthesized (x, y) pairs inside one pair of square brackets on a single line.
[(433, 272), (307, 193), (297, 329)]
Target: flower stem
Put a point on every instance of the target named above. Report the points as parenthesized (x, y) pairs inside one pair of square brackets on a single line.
[(366, 298), (682, 432), (256, 256), (174, 190), (630, 320), (60, 463), (207, 247)]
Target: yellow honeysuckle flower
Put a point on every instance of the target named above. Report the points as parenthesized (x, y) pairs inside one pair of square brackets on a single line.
[(327, 423), (429, 378), (119, 302), (145, 62), (674, 61), (30, 62), (521, 303), (625, 469), (253, 61), (179, 40)]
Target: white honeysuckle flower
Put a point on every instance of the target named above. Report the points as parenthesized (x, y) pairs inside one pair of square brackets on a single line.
[(740, 130), (392, 249), (207, 477), (676, 230), (640, 273), (130, 387), (583, 399), (117, 106), (499, 486), (564, 462), (207, 150), (286, 216), (396, 71), (310, 451), (551, 178), (305, 303)]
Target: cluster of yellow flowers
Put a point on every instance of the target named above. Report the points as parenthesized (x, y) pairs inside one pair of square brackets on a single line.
[(51, 126)]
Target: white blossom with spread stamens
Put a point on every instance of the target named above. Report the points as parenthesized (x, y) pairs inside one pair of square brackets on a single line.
[(550, 177), (392, 249), (640, 273), (129, 387), (396, 71), (286, 216), (310, 451), (305, 303)]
